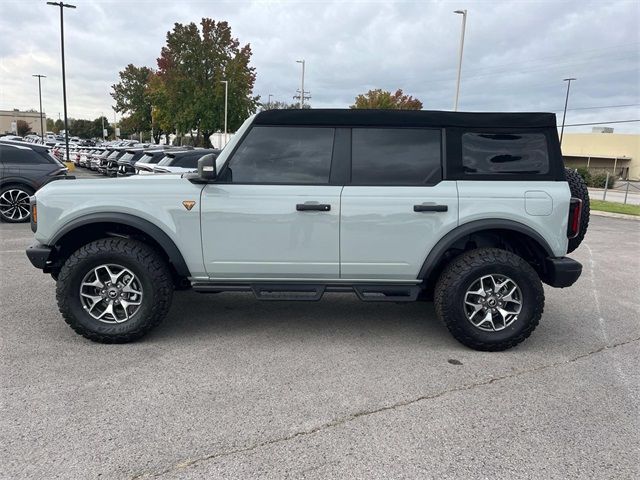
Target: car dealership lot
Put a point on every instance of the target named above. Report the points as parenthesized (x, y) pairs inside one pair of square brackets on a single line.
[(236, 388)]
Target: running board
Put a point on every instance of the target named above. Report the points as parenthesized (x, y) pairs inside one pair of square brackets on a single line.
[(312, 292)]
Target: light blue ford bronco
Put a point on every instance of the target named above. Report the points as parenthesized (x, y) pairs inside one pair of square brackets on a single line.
[(471, 210)]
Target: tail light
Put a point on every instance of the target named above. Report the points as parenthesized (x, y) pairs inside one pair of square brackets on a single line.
[(575, 212)]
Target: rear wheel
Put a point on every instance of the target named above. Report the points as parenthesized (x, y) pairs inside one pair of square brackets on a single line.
[(14, 203), (578, 190), (114, 290), (489, 299)]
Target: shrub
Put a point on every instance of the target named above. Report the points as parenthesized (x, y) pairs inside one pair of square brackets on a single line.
[(585, 174), (599, 179)]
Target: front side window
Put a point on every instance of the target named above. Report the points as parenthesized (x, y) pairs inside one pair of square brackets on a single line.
[(505, 153), (296, 155), (395, 156)]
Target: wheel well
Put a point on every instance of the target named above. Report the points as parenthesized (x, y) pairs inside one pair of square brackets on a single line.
[(510, 240), (83, 234), (18, 183)]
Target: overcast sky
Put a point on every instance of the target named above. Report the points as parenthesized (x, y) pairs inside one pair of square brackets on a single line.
[(516, 52)]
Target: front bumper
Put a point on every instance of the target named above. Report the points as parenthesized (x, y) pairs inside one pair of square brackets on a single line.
[(39, 255), (561, 271)]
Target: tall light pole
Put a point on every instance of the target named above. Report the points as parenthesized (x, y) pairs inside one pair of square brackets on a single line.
[(226, 104), (102, 116), (269, 103), (464, 25), (64, 84), (566, 102), (40, 95), (301, 84)]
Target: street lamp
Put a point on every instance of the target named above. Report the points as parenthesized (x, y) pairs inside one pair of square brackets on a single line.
[(566, 101), (64, 85), (464, 24), (269, 103), (301, 84), (40, 95), (226, 104)]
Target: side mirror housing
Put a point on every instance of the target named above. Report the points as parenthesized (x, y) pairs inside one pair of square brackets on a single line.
[(207, 167)]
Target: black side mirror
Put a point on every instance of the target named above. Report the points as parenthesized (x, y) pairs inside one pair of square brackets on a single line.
[(207, 167)]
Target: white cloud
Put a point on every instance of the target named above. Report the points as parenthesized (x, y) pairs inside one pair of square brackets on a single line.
[(516, 53)]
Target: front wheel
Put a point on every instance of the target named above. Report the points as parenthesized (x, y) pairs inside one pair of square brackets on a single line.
[(114, 290), (489, 299)]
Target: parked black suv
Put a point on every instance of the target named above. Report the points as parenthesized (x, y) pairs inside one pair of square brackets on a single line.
[(24, 168)]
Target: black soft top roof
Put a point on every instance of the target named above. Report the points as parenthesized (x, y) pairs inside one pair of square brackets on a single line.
[(404, 118)]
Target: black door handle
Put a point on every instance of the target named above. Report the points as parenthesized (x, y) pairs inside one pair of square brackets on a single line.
[(430, 208), (305, 207)]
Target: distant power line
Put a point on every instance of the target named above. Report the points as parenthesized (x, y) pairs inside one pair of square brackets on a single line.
[(600, 123), (605, 106)]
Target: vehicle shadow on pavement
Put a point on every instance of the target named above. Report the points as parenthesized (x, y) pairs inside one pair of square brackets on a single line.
[(226, 314)]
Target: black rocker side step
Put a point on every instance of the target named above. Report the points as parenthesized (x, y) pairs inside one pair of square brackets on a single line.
[(387, 293), (268, 291), (314, 291)]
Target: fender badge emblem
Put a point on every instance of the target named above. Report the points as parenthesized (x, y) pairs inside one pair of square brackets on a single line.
[(188, 204)]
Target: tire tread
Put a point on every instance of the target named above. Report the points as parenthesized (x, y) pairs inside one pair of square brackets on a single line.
[(464, 265), (139, 251)]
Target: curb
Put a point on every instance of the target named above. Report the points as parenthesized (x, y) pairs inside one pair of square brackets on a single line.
[(616, 215)]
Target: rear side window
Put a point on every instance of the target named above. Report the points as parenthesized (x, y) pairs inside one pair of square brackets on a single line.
[(395, 156), (504, 153), (21, 156), (294, 155)]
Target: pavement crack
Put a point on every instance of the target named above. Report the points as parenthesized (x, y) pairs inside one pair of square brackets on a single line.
[(190, 462)]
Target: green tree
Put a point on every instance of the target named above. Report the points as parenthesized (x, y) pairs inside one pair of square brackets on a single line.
[(97, 127), (50, 125), (162, 120), (132, 97), (191, 66), (23, 128), (384, 99), (81, 128), (278, 105), (58, 125)]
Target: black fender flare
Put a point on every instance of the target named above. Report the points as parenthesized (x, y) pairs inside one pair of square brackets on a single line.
[(475, 226), (145, 226)]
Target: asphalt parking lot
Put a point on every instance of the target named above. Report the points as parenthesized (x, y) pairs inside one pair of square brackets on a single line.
[(229, 387)]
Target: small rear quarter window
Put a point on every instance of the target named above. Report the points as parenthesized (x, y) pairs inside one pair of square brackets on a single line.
[(505, 153)]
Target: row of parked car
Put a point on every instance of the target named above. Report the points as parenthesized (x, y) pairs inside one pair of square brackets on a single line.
[(124, 159), (27, 166)]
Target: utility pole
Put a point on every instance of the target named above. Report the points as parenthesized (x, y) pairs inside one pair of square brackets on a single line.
[(269, 104), (40, 95), (464, 26), (302, 95), (64, 84), (566, 101), (226, 105)]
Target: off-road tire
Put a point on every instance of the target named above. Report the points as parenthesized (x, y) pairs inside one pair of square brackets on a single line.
[(578, 190), (148, 266), (460, 274), (23, 188)]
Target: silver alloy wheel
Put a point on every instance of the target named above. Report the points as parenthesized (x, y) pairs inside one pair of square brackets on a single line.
[(111, 293), (14, 204), (493, 302)]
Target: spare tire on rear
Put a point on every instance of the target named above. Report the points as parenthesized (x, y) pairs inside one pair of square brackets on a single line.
[(578, 190)]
